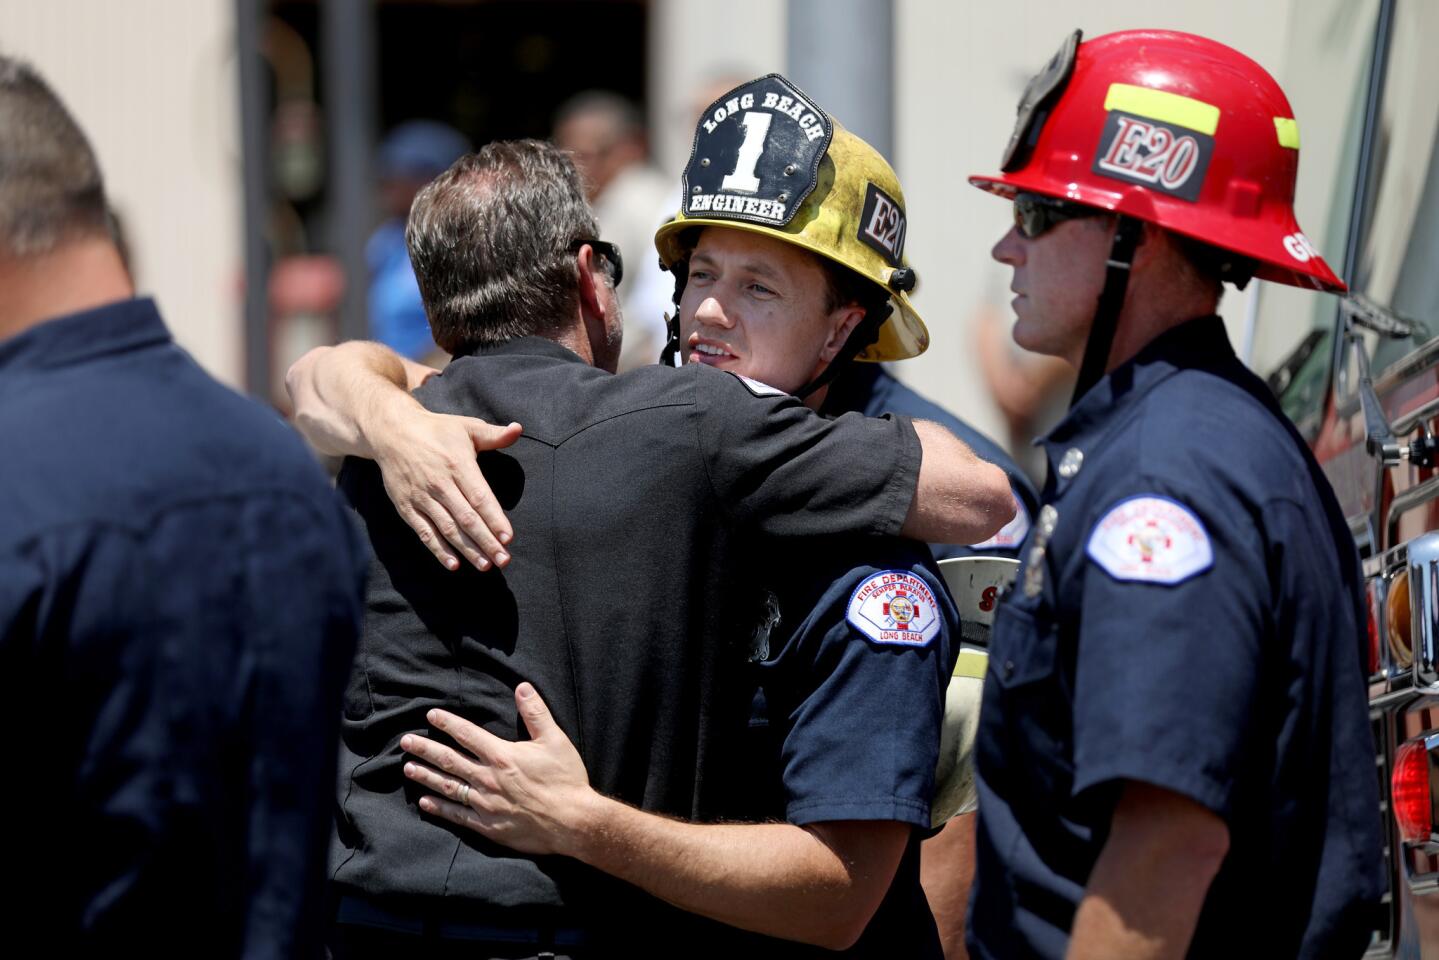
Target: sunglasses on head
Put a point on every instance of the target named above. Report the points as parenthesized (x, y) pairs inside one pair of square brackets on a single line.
[(1036, 215), (606, 250)]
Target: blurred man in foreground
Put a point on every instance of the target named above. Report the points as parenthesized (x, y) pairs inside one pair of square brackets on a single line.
[(179, 597)]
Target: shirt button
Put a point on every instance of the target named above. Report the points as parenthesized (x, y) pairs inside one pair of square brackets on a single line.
[(1070, 463), (1008, 669)]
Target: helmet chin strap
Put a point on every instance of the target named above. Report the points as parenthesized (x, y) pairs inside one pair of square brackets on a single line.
[(1111, 301), (670, 353)]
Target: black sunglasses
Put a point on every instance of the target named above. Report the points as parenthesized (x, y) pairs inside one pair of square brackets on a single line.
[(607, 250), (1036, 215)]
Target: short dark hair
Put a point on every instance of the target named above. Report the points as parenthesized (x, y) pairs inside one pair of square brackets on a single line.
[(844, 286), (491, 240), (1212, 266), (51, 190)]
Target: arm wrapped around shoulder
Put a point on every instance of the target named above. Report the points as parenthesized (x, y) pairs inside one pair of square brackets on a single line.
[(959, 497)]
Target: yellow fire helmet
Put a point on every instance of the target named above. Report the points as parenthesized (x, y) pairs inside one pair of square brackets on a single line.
[(766, 159)]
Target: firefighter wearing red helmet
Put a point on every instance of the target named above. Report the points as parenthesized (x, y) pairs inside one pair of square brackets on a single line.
[(1174, 754)]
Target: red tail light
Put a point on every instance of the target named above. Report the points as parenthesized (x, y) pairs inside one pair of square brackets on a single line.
[(1413, 806)]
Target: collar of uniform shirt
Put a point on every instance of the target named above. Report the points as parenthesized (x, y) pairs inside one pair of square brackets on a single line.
[(66, 340), (1198, 342)]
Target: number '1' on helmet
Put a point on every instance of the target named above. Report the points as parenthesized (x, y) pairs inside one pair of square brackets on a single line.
[(767, 160)]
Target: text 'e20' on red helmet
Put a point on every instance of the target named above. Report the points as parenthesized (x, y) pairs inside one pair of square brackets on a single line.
[(1171, 128)]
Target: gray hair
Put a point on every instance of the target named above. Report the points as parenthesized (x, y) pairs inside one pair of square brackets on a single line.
[(491, 240), (51, 190)]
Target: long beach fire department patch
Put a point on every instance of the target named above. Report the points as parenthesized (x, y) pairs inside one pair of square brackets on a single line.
[(1153, 539), (895, 607)]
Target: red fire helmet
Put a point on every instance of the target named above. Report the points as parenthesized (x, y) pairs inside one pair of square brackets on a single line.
[(1171, 128)]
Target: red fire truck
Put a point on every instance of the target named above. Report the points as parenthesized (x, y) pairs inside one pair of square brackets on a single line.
[(1360, 376)]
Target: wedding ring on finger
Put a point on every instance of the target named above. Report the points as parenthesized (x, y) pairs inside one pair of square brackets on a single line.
[(465, 794)]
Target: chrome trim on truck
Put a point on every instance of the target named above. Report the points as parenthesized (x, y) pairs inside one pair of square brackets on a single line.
[(1424, 605)]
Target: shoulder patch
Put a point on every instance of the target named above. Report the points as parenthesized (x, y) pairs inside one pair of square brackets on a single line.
[(1153, 539), (757, 388), (895, 607), (1012, 534)]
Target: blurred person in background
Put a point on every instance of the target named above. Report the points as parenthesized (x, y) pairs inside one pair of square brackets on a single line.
[(179, 599), (411, 155), (606, 136), (1031, 390)]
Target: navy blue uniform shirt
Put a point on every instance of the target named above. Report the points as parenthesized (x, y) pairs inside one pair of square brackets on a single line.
[(853, 653), (1188, 615), (179, 597), (871, 389)]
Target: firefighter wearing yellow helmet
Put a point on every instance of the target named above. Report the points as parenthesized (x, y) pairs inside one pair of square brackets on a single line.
[(789, 259), (766, 160), (772, 166)]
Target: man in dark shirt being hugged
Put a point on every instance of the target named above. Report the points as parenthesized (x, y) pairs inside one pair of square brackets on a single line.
[(179, 599)]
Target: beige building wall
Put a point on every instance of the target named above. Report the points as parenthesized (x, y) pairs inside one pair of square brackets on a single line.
[(153, 84)]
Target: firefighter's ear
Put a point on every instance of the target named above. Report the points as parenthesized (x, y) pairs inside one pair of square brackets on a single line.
[(842, 323), (1153, 243)]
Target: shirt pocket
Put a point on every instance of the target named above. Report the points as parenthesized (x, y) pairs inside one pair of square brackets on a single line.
[(1034, 697), (1024, 649), (359, 703)]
